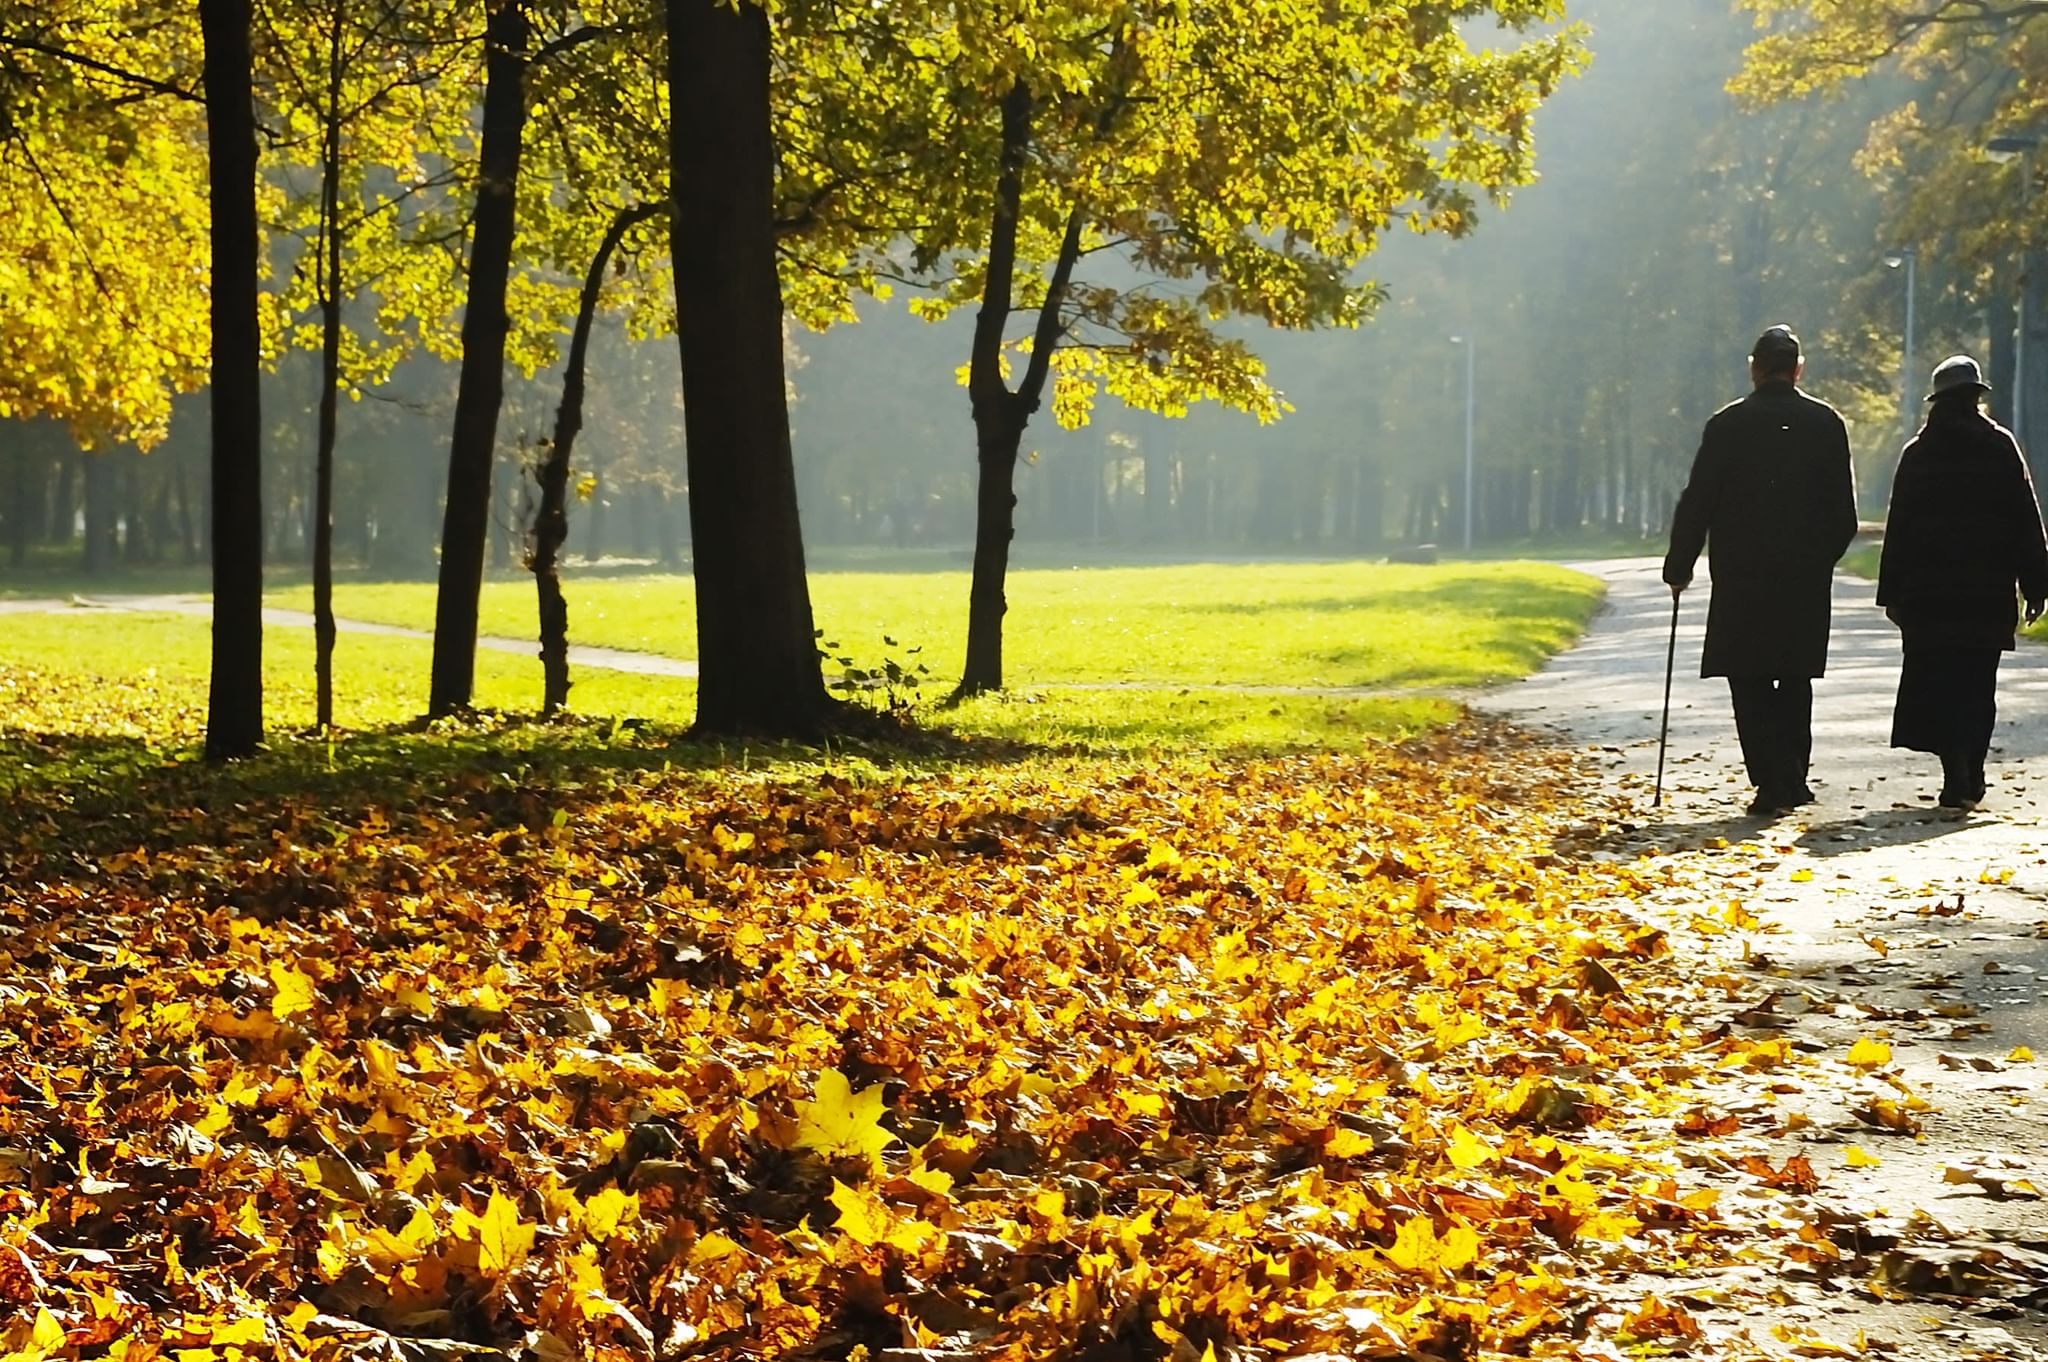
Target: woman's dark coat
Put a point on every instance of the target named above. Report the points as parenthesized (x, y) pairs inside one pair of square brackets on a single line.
[(1964, 530), (1774, 491)]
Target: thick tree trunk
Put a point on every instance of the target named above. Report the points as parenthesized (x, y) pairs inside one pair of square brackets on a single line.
[(234, 717), (756, 648), (466, 515), (551, 520), (330, 386)]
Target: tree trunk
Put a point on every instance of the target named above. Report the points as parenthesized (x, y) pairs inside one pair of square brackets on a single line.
[(999, 414), (18, 499), (756, 648), (188, 529), (135, 546), (2034, 381), (99, 516), (330, 385), (466, 516), (2001, 319), (234, 717), (551, 520)]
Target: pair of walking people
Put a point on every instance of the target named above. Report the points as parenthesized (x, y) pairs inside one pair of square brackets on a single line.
[(1772, 497)]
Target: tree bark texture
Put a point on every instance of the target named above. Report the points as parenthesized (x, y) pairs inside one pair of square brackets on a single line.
[(551, 520), (756, 647), (234, 717), (466, 515)]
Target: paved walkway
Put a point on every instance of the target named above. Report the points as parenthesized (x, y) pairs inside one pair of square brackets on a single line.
[(580, 655), (1884, 918)]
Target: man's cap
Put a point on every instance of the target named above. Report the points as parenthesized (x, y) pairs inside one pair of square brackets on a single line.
[(1776, 348), (1955, 374)]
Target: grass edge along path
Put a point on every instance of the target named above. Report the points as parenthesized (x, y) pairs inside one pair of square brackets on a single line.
[(1058, 1059)]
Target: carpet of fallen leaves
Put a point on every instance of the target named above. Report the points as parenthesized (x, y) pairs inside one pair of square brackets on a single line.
[(1331, 1056)]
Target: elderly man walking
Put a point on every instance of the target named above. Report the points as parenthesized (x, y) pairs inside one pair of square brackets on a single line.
[(1772, 499)]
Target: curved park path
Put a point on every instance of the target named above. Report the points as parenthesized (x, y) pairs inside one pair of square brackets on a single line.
[(1882, 918), (580, 655)]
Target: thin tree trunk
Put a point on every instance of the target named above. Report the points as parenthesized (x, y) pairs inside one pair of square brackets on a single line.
[(188, 531), (466, 515), (135, 546), (99, 515), (330, 385), (551, 520), (999, 414), (2001, 320), (234, 717), (756, 646), (18, 500)]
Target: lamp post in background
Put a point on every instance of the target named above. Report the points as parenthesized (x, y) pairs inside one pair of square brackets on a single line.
[(1908, 260), (2002, 149), (1471, 344)]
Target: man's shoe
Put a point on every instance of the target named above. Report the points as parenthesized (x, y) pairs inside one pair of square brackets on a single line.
[(1768, 803), (1961, 800), (1800, 795)]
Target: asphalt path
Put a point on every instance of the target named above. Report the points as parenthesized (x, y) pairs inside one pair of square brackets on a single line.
[(1871, 915)]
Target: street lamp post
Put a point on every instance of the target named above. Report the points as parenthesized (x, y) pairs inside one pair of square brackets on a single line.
[(1909, 260), (1471, 344), (2023, 146)]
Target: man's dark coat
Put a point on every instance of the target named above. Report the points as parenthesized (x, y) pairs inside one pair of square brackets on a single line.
[(1964, 529), (1774, 491)]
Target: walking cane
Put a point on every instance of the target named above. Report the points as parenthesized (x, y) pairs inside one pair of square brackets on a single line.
[(1664, 733)]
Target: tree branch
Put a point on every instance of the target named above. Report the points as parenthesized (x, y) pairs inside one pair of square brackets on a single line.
[(162, 87)]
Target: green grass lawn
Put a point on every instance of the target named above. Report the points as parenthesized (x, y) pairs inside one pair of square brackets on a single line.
[(142, 678), (1308, 624)]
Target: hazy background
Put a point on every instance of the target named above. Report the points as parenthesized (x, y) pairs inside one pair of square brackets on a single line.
[(1612, 304)]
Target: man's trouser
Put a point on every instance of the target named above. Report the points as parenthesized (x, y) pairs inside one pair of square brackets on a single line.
[(1775, 721)]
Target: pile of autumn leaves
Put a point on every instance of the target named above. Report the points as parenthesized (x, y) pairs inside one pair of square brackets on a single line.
[(1266, 1059)]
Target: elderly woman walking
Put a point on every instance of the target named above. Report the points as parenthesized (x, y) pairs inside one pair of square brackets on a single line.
[(1962, 544)]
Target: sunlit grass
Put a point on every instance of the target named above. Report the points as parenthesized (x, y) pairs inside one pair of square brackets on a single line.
[(1307, 624)]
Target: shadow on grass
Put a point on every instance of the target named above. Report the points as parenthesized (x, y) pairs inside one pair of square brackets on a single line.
[(82, 794)]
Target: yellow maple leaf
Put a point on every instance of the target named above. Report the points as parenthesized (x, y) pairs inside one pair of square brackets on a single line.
[(862, 1216), (1856, 1157), (607, 1210), (247, 1329), (1415, 1247), (2020, 1055), (294, 991), (1870, 1054), (1467, 1151), (48, 1331), (711, 1247), (841, 1121), (1458, 1249), (502, 1239)]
